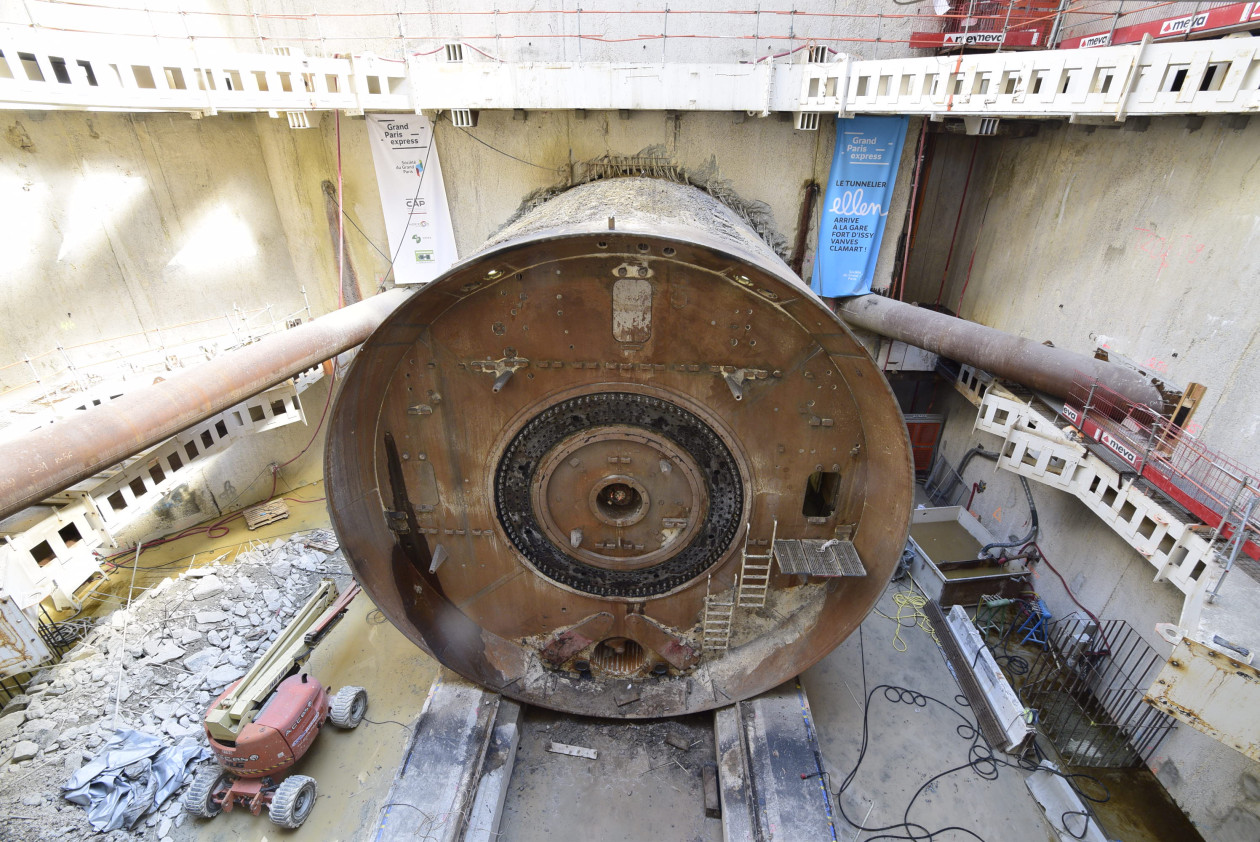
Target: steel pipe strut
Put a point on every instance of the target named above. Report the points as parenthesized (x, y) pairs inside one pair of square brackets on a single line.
[(57, 456), (1037, 366)]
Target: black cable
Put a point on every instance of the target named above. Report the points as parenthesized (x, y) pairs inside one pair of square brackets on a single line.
[(1063, 821), (350, 219), (979, 450), (982, 760), (500, 151), (1032, 530), (386, 722)]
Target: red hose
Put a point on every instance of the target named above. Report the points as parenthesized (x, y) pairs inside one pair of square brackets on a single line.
[(1071, 596)]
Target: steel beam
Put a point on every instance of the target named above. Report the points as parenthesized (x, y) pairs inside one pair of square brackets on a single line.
[(55, 457), (1048, 369)]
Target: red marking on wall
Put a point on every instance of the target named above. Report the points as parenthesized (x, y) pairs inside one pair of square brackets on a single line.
[(1167, 251)]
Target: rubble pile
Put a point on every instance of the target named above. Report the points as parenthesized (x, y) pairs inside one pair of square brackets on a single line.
[(154, 667)]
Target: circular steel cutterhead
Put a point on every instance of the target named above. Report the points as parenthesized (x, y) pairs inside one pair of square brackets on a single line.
[(621, 462), (582, 494)]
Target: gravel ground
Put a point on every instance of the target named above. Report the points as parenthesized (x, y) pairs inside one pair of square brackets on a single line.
[(153, 667)]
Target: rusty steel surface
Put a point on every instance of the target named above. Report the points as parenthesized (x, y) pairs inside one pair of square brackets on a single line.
[(21, 647), (55, 457), (544, 463), (1051, 370), (1210, 691)]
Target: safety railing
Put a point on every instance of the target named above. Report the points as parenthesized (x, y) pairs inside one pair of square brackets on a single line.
[(49, 69), (1115, 82), (70, 70), (1207, 483)]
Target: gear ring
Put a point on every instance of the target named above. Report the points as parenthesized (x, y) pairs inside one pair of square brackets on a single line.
[(521, 458)]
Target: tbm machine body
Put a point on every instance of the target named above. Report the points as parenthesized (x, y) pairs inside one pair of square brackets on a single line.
[(621, 462)]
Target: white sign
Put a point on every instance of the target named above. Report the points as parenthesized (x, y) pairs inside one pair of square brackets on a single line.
[(969, 38), (1179, 25), (1103, 40), (417, 218)]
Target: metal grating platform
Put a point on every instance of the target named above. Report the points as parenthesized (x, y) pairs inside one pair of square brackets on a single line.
[(812, 557)]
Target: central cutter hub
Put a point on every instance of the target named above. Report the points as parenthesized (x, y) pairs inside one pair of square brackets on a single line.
[(621, 497), (617, 494)]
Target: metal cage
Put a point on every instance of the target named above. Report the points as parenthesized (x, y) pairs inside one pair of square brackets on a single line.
[(1087, 688)]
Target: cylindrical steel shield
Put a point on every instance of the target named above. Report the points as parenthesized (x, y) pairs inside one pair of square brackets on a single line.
[(621, 462)]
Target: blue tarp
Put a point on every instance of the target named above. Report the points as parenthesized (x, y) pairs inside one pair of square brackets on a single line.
[(863, 174), (133, 774)]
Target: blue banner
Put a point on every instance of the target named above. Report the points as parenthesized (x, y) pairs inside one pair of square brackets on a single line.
[(863, 173)]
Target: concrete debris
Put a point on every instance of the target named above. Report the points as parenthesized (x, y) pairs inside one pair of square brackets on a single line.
[(82, 653), (9, 726), (154, 667), (18, 702), (187, 636), (166, 653), (204, 660), (209, 586), (222, 676), (24, 750)]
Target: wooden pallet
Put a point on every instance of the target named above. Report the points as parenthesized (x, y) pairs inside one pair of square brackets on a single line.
[(265, 513), (324, 540)]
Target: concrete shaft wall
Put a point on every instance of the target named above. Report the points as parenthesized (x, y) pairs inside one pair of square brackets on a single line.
[(1145, 240), (497, 31), (1142, 240), (126, 233), (124, 225), (130, 228)]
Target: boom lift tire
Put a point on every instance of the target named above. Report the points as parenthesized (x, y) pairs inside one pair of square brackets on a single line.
[(199, 799), (348, 707), (293, 801)]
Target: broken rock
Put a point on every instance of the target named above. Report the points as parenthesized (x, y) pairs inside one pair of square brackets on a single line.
[(166, 653), (24, 750), (203, 660), (187, 636), (18, 702), (223, 675), (209, 586), (9, 726)]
